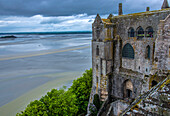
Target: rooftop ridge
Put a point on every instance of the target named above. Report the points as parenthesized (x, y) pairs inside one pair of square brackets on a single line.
[(142, 13)]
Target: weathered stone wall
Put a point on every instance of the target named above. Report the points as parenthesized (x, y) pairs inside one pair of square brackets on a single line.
[(144, 20), (101, 55), (162, 47), (117, 107), (139, 63), (118, 84), (97, 65)]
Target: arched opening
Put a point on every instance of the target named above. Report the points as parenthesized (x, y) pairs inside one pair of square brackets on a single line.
[(149, 32), (128, 51), (97, 51), (128, 93), (127, 89), (140, 33), (147, 53), (154, 83), (131, 32)]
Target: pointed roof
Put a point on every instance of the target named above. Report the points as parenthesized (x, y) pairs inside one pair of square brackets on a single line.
[(165, 5), (110, 16), (98, 19)]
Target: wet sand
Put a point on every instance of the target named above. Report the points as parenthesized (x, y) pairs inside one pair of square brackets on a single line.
[(32, 67), (21, 102)]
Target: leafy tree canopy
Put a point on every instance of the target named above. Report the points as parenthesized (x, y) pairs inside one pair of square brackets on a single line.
[(60, 102), (82, 88)]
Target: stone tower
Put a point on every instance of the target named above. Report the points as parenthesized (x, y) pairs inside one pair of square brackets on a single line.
[(101, 55)]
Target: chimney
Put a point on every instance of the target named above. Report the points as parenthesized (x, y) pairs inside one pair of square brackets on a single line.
[(147, 8), (120, 9)]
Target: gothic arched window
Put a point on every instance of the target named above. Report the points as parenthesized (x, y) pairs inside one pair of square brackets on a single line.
[(128, 51), (131, 32), (97, 51), (140, 33), (149, 32), (147, 56)]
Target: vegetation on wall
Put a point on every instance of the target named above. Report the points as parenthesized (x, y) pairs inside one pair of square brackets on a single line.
[(60, 102), (96, 101), (95, 106)]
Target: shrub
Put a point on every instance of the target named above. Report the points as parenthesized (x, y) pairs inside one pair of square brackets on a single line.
[(57, 102), (96, 101)]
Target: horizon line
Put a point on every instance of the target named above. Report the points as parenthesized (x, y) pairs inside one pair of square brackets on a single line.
[(48, 32)]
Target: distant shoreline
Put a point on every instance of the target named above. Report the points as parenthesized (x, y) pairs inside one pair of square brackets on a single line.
[(46, 33)]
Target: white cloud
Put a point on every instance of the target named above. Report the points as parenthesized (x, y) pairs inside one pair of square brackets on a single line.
[(39, 23)]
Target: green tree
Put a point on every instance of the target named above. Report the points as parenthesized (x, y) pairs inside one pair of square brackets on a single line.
[(35, 108), (72, 102), (55, 103), (82, 89)]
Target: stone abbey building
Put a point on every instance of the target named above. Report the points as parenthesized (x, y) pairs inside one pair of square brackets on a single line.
[(131, 55)]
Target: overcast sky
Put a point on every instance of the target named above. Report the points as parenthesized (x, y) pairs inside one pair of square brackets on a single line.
[(63, 15)]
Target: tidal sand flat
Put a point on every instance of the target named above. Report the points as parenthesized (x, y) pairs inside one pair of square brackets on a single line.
[(31, 66), (19, 104)]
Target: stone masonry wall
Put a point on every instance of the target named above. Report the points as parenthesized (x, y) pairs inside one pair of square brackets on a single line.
[(162, 47), (147, 19)]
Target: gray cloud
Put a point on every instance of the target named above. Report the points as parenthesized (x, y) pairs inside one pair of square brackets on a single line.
[(39, 23), (62, 15), (73, 7)]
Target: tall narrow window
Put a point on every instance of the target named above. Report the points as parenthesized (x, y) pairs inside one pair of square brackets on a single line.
[(101, 66), (131, 32), (128, 51), (97, 80), (149, 32), (97, 51), (140, 33), (98, 32), (96, 67), (147, 56)]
